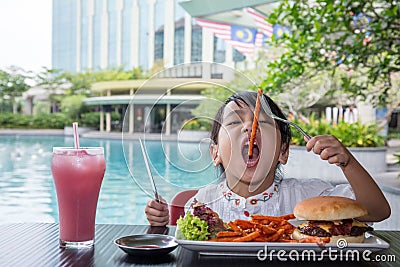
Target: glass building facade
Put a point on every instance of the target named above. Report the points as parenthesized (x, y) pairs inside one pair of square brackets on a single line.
[(100, 34)]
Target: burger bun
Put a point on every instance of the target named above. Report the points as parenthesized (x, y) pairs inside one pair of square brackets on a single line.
[(328, 208)]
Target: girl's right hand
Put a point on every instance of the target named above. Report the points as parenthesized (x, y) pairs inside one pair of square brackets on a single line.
[(157, 213)]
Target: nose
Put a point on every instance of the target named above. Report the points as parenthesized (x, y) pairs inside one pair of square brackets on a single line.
[(247, 125)]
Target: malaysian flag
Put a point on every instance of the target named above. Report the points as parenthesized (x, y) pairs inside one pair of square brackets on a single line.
[(265, 27), (244, 39)]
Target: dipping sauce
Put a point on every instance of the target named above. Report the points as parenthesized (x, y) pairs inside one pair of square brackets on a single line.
[(148, 246)]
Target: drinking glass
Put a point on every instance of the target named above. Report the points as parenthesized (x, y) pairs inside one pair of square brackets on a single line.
[(78, 174)]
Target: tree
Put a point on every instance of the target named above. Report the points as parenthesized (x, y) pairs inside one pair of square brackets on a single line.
[(72, 105), (294, 96), (12, 85), (52, 81), (360, 37), (81, 83)]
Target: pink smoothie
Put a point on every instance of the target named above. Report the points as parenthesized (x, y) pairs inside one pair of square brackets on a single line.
[(77, 176)]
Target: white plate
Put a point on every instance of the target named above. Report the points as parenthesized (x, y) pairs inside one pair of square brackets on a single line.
[(371, 243)]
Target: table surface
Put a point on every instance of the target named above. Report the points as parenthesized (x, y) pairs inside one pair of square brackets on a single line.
[(36, 244)]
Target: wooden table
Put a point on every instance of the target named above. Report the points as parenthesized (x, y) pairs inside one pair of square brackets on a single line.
[(36, 244)]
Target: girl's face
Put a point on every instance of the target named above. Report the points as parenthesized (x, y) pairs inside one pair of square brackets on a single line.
[(233, 143)]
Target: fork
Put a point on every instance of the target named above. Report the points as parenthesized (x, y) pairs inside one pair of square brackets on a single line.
[(268, 111)]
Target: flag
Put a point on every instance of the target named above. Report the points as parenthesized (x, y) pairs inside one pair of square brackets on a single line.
[(260, 20), (280, 30), (243, 34), (241, 38)]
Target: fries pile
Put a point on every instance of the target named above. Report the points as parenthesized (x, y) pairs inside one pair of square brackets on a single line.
[(259, 229), (263, 228)]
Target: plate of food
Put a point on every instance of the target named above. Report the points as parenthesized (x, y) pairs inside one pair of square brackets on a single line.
[(310, 229)]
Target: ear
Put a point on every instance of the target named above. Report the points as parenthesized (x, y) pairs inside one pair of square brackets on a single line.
[(215, 155), (283, 157)]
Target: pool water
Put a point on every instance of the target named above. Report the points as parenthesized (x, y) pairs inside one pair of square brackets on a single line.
[(27, 192)]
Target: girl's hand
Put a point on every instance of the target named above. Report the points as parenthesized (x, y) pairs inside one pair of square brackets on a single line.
[(329, 148), (157, 213)]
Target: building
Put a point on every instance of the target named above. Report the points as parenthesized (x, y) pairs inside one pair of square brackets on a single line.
[(104, 34), (100, 34), (160, 104)]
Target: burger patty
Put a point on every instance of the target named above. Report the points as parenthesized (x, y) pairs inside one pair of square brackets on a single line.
[(313, 231), (344, 228)]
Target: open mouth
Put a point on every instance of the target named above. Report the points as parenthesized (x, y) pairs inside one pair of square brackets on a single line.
[(250, 162)]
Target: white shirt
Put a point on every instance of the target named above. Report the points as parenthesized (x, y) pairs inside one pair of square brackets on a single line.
[(279, 199)]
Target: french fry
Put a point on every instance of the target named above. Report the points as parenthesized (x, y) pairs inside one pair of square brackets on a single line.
[(248, 237), (288, 216), (233, 226), (268, 218), (255, 124), (229, 234), (244, 224), (266, 229), (276, 236)]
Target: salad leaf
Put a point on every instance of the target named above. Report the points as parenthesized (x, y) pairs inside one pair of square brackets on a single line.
[(193, 228)]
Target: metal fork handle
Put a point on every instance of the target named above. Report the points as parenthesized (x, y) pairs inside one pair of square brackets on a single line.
[(294, 125)]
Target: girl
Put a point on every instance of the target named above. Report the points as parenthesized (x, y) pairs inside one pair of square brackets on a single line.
[(255, 185)]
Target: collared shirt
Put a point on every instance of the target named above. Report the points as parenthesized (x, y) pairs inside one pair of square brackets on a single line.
[(279, 199)]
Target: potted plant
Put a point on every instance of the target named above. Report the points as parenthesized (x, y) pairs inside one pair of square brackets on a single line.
[(363, 141)]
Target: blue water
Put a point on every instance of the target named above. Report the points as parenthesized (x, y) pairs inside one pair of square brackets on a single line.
[(27, 192)]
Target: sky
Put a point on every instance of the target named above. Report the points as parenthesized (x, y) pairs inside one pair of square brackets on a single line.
[(25, 34)]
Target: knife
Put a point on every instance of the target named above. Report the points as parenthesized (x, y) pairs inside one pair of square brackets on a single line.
[(146, 161)]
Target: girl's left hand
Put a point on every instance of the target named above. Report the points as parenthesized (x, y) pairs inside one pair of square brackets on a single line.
[(329, 148)]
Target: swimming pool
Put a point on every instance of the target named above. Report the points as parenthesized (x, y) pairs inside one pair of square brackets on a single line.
[(27, 192)]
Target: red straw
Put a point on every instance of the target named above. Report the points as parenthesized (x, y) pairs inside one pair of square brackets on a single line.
[(76, 134)]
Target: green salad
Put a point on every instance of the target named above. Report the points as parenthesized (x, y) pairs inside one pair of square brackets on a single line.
[(202, 225), (193, 228)]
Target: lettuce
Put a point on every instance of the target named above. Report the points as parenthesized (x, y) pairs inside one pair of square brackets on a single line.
[(193, 228)]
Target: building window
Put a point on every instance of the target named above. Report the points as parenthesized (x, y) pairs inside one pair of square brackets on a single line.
[(196, 43)]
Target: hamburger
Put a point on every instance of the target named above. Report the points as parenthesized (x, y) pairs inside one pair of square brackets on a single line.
[(331, 216)]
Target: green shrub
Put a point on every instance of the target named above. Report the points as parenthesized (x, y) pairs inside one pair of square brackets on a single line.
[(397, 156), (39, 121), (90, 119), (350, 134), (50, 120), (197, 125)]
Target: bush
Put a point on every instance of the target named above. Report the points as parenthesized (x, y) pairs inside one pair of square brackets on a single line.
[(350, 134), (397, 156), (50, 121), (197, 125), (39, 121), (92, 119)]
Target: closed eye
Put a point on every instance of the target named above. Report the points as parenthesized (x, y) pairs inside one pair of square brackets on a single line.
[(233, 123), (265, 121)]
